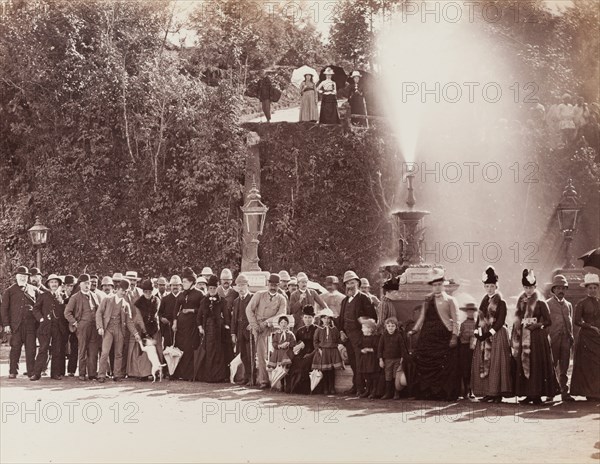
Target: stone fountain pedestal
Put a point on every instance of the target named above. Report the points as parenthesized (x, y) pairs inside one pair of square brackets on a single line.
[(413, 273)]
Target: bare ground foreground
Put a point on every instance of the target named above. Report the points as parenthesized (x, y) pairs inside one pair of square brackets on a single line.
[(133, 421)]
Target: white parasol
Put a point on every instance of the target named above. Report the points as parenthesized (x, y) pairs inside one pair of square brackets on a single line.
[(298, 75), (277, 374), (172, 355), (315, 377)]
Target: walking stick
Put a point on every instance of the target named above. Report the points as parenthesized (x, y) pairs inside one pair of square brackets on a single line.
[(252, 359)]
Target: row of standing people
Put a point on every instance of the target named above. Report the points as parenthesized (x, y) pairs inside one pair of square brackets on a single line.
[(210, 325)]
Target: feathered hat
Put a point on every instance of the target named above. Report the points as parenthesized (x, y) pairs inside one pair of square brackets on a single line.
[(489, 276), (528, 278)]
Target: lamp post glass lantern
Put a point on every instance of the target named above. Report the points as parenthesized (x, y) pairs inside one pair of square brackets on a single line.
[(568, 215), (39, 236), (255, 212)]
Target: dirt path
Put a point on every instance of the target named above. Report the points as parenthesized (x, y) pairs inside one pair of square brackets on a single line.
[(73, 421)]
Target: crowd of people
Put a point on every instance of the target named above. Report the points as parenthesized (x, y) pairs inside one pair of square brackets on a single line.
[(100, 329)]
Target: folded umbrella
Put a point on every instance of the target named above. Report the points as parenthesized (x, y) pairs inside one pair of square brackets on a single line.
[(277, 374), (172, 355), (234, 366), (298, 75), (591, 258), (315, 377)]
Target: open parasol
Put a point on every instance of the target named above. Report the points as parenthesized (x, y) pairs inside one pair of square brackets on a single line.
[(591, 258), (339, 76), (299, 73), (315, 377)]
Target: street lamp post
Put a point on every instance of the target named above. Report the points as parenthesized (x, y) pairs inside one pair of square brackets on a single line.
[(255, 213), (568, 215), (39, 236)]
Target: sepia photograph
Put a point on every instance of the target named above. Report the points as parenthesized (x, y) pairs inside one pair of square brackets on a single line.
[(304, 231)]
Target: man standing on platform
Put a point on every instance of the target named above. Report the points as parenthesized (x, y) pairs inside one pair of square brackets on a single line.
[(18, 320), (81, 314), (355, 307), (264, 305), (110, 323), (240, 327), (561, 332), (167, 312)]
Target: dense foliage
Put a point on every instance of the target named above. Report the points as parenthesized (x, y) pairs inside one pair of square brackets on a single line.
[(125, 158)]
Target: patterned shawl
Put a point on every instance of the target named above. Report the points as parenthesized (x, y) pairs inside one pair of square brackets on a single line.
[(521, 337), (487, 317)]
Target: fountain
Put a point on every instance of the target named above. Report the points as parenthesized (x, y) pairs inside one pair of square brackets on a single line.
[(412, 272)]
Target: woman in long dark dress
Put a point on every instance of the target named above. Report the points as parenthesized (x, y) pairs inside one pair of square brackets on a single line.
[(143, 321), (304, 351), (187, 338), (436, 355), (535, 374), (586, 362), (491, 371), (357, 100), (329, 110), (214, 325)]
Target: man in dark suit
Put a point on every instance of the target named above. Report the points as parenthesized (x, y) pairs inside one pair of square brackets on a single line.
[(240, 333), (167, 312), (18, 320), (81, 314), (49, 312), (355, 306)]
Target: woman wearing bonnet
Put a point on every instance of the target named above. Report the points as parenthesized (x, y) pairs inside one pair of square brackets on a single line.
[(535, 374), (491, 375)]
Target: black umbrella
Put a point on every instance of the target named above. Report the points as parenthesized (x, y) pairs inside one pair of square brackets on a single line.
[(591, 258), (339, 76)]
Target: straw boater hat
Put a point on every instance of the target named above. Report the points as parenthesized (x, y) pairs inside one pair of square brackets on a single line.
[(132, 275), (590, 279), (328, 71), (469, 307)]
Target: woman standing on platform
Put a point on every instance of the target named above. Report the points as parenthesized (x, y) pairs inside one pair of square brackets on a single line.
[(491, 375), (214, 322), (308, 100), (329, 110), (187, 338), (535, 375)]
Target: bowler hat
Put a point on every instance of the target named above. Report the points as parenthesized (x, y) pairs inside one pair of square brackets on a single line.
[(94, 276), (69, 279), (22, 270), (308, 310), (213, 281), (36, 271), (274, 279), (84, 278), (147, 285)]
